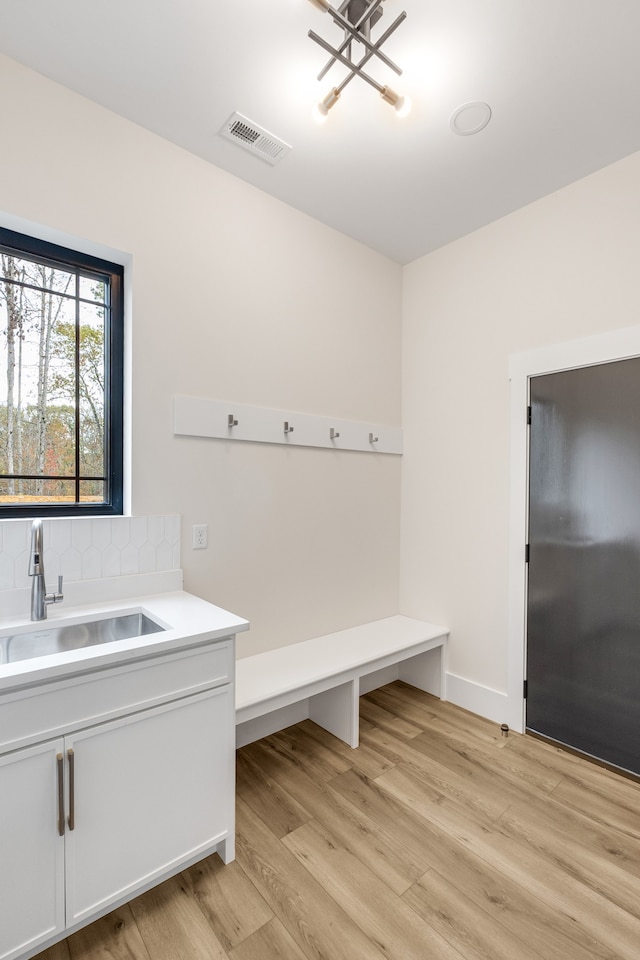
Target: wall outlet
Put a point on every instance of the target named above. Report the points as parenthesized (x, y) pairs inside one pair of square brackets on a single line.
[(200, 536)]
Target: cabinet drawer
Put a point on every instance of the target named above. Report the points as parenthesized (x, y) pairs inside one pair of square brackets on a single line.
[(42, 712)]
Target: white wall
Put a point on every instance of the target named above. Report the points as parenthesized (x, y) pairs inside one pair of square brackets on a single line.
[(237, 296), (565, 267)]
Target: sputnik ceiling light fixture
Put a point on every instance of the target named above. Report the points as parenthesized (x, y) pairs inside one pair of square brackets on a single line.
[(356, 17)]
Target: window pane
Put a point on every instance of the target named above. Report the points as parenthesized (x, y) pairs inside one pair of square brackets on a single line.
[(22, 270), (92, 289), (59, 442), (40, 491), (37, 390), (91, 390), (93, 491)]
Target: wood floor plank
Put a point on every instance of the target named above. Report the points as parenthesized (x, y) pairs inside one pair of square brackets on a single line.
[(271, 942), (471, 930), (476, 788), (397, 864), (580, 851), (595, 802), (405, 801), (549, 932), (456, 718), (231, 904), (397, 696), (364, 759), (389, 923), (314, 920), (275, 806), (525, 865), (303, 749), (384, 809), (447, 848), (59, 951), (172, 924), (622, 791), (531, 773), (446, 743), (114, 937), (379, 716), (400, 702), (612, 832), (597, 916), (484, 774)]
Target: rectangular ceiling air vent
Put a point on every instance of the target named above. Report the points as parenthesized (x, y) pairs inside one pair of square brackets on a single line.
[(250, 136)]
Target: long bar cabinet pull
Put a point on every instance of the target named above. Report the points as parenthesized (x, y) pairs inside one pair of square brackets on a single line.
[(72, 789), (60, 768)]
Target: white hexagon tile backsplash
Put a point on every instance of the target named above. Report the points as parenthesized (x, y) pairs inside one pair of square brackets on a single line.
[(89, 548)]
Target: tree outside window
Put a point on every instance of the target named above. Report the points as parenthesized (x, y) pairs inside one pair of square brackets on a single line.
[(60, 380)]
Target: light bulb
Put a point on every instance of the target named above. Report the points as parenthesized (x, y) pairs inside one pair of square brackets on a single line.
[(403, 106), (319, 113), (321, 110)]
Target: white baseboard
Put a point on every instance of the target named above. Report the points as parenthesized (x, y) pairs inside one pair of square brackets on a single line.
[(488, 703)]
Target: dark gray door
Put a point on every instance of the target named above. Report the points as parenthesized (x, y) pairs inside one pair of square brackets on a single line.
[(583, 618)]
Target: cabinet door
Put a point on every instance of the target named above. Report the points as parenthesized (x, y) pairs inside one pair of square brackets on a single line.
[(151, 791), (31, 848)]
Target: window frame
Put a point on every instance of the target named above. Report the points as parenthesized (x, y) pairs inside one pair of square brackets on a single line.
[(22, 244)]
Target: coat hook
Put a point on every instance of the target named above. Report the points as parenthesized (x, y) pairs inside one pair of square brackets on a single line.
[(231, 421), (372, 439), (287, 428), (333, 434)]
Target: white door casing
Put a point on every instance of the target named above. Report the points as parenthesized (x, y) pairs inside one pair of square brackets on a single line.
[(603, 348)]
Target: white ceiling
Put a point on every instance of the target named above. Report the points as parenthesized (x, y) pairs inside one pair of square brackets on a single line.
[(561, 76)]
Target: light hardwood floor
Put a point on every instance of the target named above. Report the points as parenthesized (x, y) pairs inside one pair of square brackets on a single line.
[(437, 839)]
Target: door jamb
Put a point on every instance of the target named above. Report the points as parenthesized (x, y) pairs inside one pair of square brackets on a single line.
[(602, 348)]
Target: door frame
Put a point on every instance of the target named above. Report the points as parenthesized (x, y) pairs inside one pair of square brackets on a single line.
[(602, 348)]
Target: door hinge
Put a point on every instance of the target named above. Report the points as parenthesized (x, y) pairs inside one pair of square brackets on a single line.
[(529, 416), (525, 689), (526, 553)]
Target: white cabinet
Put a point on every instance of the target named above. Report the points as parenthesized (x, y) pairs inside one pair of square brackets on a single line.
[(147, 796), (122, 799), (31, 849)]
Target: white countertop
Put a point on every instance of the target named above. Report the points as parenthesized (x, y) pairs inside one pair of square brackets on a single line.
[(187, 620)]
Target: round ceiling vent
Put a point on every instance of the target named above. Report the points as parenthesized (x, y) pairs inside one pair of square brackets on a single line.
[(470, 118)]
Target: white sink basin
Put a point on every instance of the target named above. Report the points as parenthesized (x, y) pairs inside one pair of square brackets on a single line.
[(43, 640)]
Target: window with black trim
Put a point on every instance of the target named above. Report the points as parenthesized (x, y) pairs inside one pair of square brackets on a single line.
[(61, 380)]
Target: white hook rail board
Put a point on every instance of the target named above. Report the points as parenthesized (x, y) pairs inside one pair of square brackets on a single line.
[(226, 420)]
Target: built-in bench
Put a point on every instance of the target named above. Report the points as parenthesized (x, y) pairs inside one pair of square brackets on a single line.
[(322, 679)]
